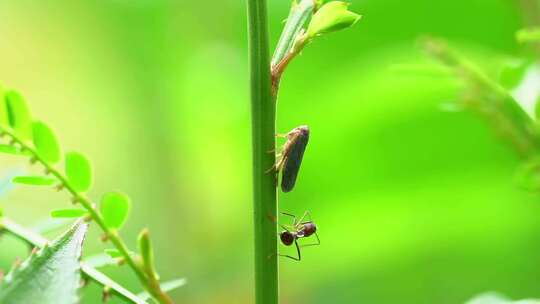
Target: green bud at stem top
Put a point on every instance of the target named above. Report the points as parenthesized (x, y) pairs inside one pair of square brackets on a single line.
[(331, 17), (147, 253)]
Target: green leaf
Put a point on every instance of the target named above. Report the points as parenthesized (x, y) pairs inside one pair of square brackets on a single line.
[(19, 115), (115, 208), (318, 4), (68, 213), (34, 180), (46, 144), (113, 253), (9, 149), (78, 171), (4, 118), (528, 35), (331, 17), (512, 74), (51, 276)]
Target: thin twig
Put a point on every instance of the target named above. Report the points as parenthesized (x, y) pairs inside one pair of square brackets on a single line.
[(111, 234)]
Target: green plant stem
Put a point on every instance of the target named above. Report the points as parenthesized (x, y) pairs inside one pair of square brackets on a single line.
[(263, 111), (112, 235), (36, 240)]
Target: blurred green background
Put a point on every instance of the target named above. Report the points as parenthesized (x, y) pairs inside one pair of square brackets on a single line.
[(414, 204)]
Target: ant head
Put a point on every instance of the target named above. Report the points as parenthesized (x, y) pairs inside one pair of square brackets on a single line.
[(287, 238), (309, 229)]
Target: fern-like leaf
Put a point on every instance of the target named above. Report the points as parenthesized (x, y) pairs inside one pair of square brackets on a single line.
[(50, 275)]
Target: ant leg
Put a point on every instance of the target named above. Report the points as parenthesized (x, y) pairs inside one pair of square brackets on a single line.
[(313, 244), (285, 227), (301, 221), (308, 214), (297, 251), (291, 215)]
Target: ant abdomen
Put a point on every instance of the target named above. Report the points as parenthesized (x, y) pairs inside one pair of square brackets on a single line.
[(309, 229)]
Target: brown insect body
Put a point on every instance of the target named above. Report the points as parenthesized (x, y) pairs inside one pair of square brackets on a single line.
[(292, 155), (300, 229)]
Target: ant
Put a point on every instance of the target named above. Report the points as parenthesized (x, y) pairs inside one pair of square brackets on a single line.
[(300, 229)]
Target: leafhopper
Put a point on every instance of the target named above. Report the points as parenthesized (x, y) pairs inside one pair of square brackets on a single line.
[(291, 156)]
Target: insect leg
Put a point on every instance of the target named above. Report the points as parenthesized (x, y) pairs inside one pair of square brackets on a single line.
[(301, 221), (313, 244), (291, 215), (297, 251)]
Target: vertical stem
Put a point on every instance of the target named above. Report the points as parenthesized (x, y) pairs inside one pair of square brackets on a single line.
[(263, 111)]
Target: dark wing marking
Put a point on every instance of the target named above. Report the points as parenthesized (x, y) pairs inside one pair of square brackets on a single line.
[(293, 162)]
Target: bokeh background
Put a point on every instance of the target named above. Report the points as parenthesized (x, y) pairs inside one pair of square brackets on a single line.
[(414, 204)]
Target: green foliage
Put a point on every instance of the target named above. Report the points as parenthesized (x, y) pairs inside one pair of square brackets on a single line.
[(68, 213), (147, 253), (19, 115), (115, 208), (50, 276), (78, 171), (331, 17), (47, 146), (113, 253), (4, 118), (34, 180), (47, 152), (9, 149), (513, 73), (528, 35)]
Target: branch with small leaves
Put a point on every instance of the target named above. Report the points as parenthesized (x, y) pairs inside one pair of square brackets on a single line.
[(37, 141), (490, 99), (494, 102)]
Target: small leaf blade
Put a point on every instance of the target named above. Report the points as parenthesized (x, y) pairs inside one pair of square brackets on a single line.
[(68, 213), (4, 118), (331, 17), (115, 207), (113, 253), (9, 149), (52, 276), (78, 171), (19, 115), (46, 143), (34, 180)]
